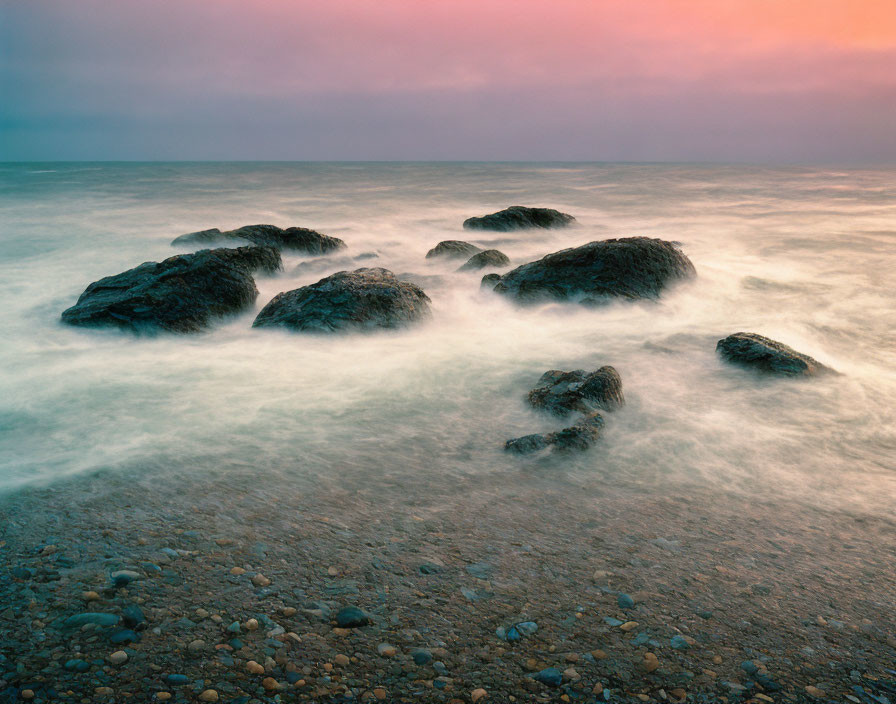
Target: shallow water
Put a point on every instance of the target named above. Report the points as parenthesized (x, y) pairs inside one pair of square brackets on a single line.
[(802, 255)]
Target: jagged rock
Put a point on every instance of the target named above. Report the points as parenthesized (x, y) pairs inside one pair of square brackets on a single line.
[(360, 299), (519, 217), (299, 239), (489, 257), (577, 437), (453, 249), (561, 392), (489, 281), (183, 293), (766, 355), (632, 267)]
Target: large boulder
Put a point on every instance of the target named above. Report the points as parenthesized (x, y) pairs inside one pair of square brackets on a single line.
[(766, 355), (183, 293), (519, 217), (580, 436), (453, 249), (562, 393), (632, 267), (362, 299), (489, 257), (299, 239)]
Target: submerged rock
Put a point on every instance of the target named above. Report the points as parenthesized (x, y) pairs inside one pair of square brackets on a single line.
[(631, 267), (299, 239), (577, 437), (519, 217), (766, 355), (488, 257), (351, 617), (183, 293), (360, 299), (453, 249), (561, 392)]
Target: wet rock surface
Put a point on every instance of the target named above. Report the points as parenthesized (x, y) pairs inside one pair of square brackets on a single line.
[(560, 392), (549, 617), (184, 293), (486, 258), (747, 349), (631, 267), (453, 249), (519, 217), (576, 438), (364, 299), (297, 239)]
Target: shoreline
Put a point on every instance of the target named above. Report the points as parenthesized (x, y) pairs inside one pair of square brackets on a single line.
[(728, 594)]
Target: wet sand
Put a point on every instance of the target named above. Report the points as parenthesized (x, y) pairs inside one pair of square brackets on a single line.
[(737, 598)]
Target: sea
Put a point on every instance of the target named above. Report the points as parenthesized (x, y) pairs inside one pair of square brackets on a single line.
[(805, 255)]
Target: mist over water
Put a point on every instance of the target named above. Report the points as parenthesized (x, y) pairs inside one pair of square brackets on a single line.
[(805, 256)]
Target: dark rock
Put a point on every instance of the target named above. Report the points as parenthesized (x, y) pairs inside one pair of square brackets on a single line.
[(184, 293), (132, 616), (298, 239), (125, 635), (625, 602), (99, 619), (360, 299), (490, 281), (351, 617), (421, 656), (519, 217), (430, 568), (577, 437), (489, 257), (177, 679), (453, 249), (763, 354), (23, 573), (550, 676), (77, 665), (561, 392), (632, 267)]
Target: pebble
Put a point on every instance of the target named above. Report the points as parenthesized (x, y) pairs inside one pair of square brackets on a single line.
[(119, 657), (163, 696), (237, 571), (99, 619), (90, 596), (254, 668), (679, 694), (288, 611), (814, 692), (629, 626), (209, 695), (27, 694), (133, 616), (123, 578), (571, 674), (651, 662), (625, 602), (380, 693), (259, 580), (550, 676), (679, 643), (351, 617), (341, 660), (104, 691), (421, 656), (252, 624), (478, 694), (386, 651), (270, 684)]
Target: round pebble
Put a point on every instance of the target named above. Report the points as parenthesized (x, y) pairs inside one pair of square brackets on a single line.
[(209, 695), (119, 657), (254, 668), (478, 694)]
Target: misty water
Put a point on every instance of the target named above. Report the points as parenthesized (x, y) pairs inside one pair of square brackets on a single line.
[(802, 255)]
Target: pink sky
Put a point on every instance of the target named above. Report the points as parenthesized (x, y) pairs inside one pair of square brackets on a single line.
[(663, 79)]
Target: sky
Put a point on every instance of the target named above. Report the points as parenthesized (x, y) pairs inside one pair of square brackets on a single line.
[(807, 81)]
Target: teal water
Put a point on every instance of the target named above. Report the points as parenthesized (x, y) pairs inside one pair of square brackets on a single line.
[(804, 255)]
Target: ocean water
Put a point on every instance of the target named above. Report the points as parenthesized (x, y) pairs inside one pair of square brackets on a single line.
[(804, 255)]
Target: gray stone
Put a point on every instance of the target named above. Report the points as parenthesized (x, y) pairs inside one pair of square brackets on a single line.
[(299, 239), (628, 268), (364, 299), (453, 249), (763, 354), (519, 217)]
